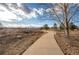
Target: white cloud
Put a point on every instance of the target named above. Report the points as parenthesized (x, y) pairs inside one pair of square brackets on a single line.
[(39, 11), (57, 9), (23, 13), (14, 12), (11, 14), (5, 15), (49, 10), (14, 25), (19, 4), (31, 15)]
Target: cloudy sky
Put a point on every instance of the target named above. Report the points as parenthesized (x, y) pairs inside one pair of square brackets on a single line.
[(27, 14), (18, 14)]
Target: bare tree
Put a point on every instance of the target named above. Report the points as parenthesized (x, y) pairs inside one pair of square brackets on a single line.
[(66, 15)]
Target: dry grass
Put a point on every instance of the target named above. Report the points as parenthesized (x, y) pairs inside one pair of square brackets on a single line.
[(68, 46), (16, 41)]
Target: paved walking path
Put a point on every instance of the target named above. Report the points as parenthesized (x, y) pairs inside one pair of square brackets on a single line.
[(45, 45)]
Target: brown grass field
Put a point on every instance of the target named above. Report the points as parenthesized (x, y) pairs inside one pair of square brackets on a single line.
[(14, 41), (68, 46)]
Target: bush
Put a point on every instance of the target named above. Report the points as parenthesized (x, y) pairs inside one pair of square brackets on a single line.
[(73, 26), (46, 27)]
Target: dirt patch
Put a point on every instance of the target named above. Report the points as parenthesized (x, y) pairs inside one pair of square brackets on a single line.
[(16, 41), (68, 46)]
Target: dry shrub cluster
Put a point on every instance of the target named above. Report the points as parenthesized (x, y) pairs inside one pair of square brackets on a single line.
[(16, 41), (68, 46)]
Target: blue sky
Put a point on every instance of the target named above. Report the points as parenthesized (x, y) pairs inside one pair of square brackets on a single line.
[(41, 19), (31, 14)]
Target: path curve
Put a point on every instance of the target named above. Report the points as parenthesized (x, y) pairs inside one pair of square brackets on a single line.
[(45, 45)]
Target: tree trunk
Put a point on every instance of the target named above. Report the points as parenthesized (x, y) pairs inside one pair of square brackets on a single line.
[(66, 21), (67, 30)]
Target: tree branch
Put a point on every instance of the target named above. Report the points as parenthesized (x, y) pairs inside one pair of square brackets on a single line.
[(59, 20), (73, 14)]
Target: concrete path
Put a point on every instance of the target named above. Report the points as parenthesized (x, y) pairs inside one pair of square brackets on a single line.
[(46, 45)]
